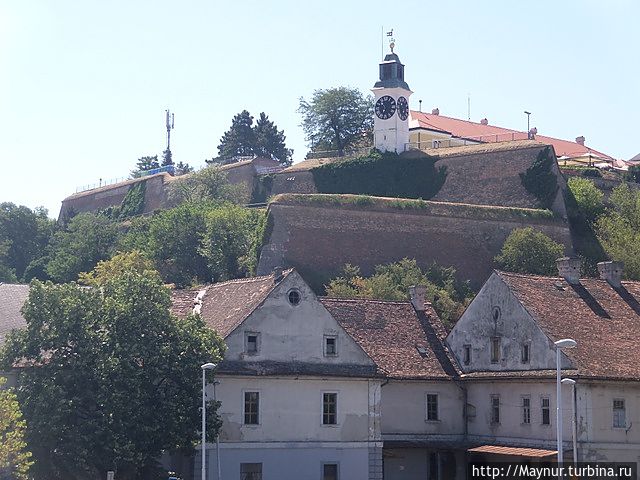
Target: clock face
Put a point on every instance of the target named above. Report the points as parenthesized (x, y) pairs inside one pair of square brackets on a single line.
[(385, 107), (403, 108)]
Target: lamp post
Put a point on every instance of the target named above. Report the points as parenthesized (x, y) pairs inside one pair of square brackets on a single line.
[(205, 367), (528, 129), (560, 345), (574, 433)]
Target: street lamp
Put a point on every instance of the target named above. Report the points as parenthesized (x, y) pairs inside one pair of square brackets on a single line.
[(528, 129), (560, 345), (205, 367), (572, 382)]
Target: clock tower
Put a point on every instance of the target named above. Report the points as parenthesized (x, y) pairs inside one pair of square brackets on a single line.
[(391, 121)]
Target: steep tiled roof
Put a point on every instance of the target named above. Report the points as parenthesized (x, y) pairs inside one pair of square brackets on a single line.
[(490, 133), (12, 298), (183, 301), (225, 305), (296, 368), (604, 321), (391, 334)]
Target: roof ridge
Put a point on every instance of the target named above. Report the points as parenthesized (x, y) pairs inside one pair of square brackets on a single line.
[(369, 300), (247, 279)]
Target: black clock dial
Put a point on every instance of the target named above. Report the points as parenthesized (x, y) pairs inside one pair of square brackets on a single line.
[(403, 108), (385, 107)]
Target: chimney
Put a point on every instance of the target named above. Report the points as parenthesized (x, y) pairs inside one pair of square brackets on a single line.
[(435, 111), (484, 121), (417, 294), (611, 272), (580, 140), (569, 269), (277, 274)]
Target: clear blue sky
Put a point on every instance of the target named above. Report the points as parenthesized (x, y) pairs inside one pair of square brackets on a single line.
[(84, 84)]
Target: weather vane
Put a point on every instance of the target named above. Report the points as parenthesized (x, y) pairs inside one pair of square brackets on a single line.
[(392, 41)]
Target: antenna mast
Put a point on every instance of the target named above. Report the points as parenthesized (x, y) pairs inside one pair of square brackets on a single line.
[(170, 118)]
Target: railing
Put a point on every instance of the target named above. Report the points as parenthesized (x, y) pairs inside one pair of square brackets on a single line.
[(336, 153), (463, 141), (101, 183)]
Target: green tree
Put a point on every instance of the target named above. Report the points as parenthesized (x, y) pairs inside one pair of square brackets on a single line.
[(145, 164), (24, 235), (529, 251), (337, 119), (619, 229), (270, 142), (392, 281), (111, 377), (588, 197), (87, 239), (208, 184), (633, 174), (239, 140), (228, 241), (167, 158), (119, 264), (183, 168), (15, 459)]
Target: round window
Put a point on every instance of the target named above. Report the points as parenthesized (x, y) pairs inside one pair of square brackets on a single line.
[(496, 313), (294, 297)]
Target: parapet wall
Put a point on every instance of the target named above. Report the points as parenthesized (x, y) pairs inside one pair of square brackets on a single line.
[(319, 239)]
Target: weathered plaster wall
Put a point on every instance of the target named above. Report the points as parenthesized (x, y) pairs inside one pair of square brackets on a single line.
[(291, 409), (514, 326), (404, 412), (291, 333), (319, 241)]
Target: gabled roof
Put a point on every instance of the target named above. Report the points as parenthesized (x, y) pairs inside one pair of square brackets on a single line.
[(467, 129), (392, 333), (12, 298), (223, 306), (605, 322)]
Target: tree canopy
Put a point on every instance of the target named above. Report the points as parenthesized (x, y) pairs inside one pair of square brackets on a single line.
[(246, 139), (15, 459), (392, 281), (588, 197), (145, 164), (111, 378), (209, 184), (337, 119), (527, 250)]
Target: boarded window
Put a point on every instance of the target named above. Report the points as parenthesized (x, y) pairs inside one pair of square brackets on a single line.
[(495, 349), (466, 354), (525, 353), (495, 409)]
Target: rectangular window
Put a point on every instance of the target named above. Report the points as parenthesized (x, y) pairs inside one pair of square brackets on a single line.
[(466, 354), (546, 411), (495, 409), (251, 408), (525, 352), (251, 343), (432, 406), (329, 408), (330, 346), (495, 349), (526, 410), (619, 414), (330, 471), (250, 471)]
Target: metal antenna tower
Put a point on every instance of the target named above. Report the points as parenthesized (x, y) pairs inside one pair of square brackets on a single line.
[(170, 118)]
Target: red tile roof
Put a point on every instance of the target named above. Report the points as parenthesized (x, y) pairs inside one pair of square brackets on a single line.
[(514, 451), (391, 334), (604, 321), (490, 133)]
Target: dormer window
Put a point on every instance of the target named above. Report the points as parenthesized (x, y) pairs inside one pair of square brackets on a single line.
[(330, 345), (251, 343), (495, 349)]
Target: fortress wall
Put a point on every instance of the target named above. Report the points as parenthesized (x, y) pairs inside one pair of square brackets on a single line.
[(319, 241), (293, 182)]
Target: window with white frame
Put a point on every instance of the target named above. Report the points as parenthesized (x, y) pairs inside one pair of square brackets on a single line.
[(250, 471), (545, 406), (526, 410), (495, 409), (251, 408), (329, 408), (619, 413), (432, 407), (330, 345)]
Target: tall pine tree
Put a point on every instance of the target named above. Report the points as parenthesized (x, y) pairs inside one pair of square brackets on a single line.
[(246, 139)]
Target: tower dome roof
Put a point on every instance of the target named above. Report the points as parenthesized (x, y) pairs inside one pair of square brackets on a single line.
[(391, 73)]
